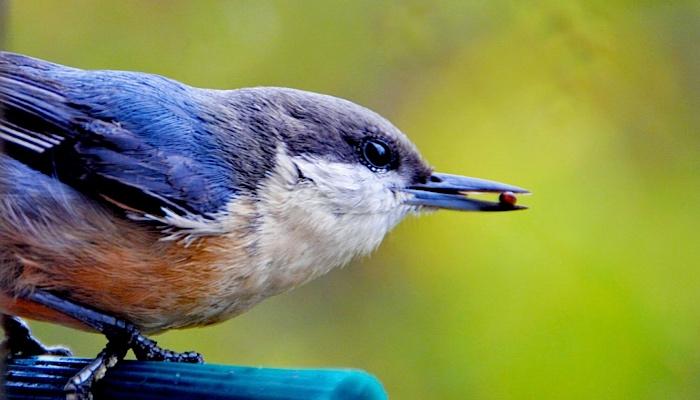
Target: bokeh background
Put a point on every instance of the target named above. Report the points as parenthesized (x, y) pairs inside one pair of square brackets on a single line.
[(593, 105)]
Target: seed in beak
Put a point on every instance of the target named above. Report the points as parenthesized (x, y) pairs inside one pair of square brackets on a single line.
[(508, 198)]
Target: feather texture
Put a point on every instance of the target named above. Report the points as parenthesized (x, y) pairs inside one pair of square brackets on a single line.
[(117, 136)]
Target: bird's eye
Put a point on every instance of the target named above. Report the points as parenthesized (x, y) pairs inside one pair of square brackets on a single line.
[(376, 154)]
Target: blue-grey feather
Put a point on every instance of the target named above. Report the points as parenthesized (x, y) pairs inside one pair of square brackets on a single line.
[(122, 129), (148, 142)]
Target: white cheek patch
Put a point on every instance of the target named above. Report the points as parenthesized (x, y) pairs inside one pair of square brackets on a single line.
[(351, 188), (334, 212)]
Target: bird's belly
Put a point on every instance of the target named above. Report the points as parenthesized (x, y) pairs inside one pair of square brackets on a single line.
[(154, 294)]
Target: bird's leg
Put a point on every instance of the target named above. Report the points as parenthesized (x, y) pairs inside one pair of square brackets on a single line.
[(79, 387), (114, 328), (121, 335), (19, 341)]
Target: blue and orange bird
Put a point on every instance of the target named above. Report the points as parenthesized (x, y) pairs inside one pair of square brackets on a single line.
[(131, 204)]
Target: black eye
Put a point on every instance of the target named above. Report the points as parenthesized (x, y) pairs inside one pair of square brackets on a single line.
[(376, 154)]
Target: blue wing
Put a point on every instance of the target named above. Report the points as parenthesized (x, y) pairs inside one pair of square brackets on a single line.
[(127, 138)]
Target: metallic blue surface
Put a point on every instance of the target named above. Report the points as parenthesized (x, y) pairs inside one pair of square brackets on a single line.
[(44, 377)]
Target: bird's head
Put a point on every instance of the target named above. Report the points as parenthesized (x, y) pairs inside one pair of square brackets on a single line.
[(343, 175)]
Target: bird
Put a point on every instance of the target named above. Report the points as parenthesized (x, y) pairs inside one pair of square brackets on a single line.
[(132, 204)]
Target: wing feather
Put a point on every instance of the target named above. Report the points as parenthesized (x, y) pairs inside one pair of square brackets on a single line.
[(44, 128)]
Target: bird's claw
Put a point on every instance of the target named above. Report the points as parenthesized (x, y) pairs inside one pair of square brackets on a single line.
[(21, 343), (147, 349), (75, 391), (57, 351)]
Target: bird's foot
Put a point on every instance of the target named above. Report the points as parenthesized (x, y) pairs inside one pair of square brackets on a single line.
[(121, 335), (147, 349), (19, 341), (79, 387)]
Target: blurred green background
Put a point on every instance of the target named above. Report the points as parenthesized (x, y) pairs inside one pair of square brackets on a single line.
[(593, 105)]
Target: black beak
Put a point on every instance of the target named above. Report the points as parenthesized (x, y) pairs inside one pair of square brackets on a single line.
[(450, 192)]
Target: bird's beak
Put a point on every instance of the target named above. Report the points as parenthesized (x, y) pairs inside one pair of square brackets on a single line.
[(450, 192)]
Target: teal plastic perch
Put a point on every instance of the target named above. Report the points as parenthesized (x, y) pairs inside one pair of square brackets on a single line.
[(43, 378)]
